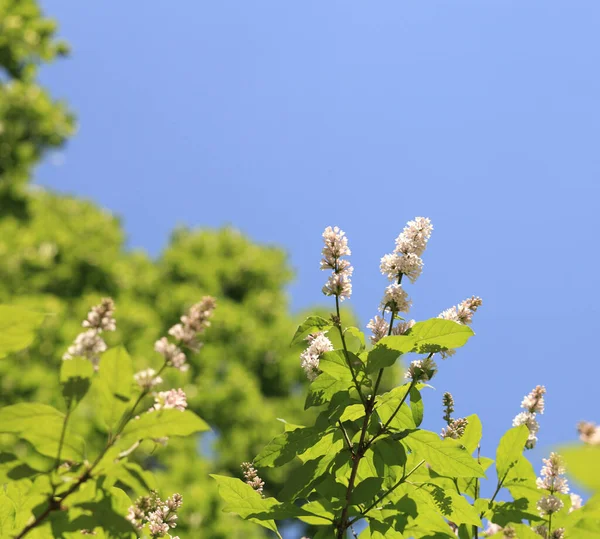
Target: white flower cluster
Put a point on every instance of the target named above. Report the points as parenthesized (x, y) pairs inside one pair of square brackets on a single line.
[(462, 314), (336, 245), (589, 433), (147, 379), (542, 529), (553, 481), (186, 334), (456, 428), (252, 478), (89, 344), (318, 345), (421, 370), (552, 475), (533, 403), (395, 299), (165, 400), (410, 246), (493, 529), (379, 328), (160, 516)]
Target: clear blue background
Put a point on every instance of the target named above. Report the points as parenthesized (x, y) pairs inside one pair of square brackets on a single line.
[(281, 118)]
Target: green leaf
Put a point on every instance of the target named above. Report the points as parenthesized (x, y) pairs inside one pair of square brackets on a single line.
[(583, 464), (416, 406), (386, 404), (472, 436), (355, 340), (334, 364), (41, 425), (75, 379), (286, 446), (353, 412), (446, 457), (244, 501), (162, 423), (453, 506), (115, 383), (312, 324), (18, 328), (323, 389), (510, 449), (437, 334), (433, 335), (382, 356)]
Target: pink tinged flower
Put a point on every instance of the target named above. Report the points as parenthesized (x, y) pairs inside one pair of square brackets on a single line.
[(174, 357), (252, 478), (589, 433), (421, 370), (534, 401), (101, 316), (379, 328), (552, 475), (318, 345), (147, 379), (165, 400), (402, 327), (549, 505), (89, 345)]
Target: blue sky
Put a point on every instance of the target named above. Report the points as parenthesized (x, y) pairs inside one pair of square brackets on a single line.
[(281, 118)]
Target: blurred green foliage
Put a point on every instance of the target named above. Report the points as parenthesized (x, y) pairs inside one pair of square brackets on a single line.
[(60, 255), (31, 122)]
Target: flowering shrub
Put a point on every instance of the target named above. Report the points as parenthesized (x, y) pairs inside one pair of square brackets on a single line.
[(51, 486), (366, 462)]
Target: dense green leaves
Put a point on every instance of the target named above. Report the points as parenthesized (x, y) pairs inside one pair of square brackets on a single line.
[(18, 328)]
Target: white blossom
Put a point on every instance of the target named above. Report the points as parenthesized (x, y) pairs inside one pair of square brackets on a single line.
[(421, 370), (549, 505), (100, 316), (379, 328), (406, 257), (534, 401), (335, 246), (455, 429), (89, 345), (174, 398), (589, 433), (318, 345), (395, 299), (552, 475), (528, 419), (252, 478), (415, 236), (576, 502), (193, 323), (147, 379), (173, 355)]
